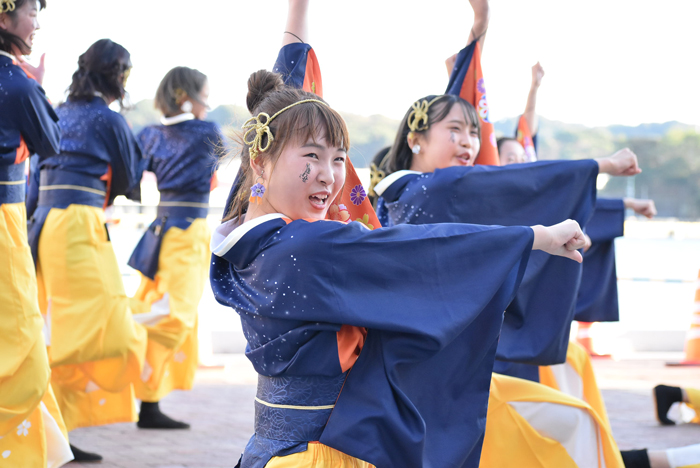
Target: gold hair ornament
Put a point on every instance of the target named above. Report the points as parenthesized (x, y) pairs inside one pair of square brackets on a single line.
[(260, 126), (7, 6), (418, 118), (127, 72), (180, 96), (376, 175)]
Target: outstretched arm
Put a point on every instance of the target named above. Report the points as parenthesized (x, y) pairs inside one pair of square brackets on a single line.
[(643, 207), (563, 239), (297, 29), (478, 30), (622, 163), (530, 113)]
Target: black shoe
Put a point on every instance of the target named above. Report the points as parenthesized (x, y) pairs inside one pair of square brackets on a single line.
[(150, 417), (665, 396), (635, 458), (85, 457)]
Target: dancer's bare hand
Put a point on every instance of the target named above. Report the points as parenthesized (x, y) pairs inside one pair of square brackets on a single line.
[(563, 239), (622, 163), (643, 207), (37, 72)]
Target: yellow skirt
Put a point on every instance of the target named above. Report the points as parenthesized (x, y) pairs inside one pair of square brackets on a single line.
[(531, 425), (576, 378), (167, 307), (694, 403), (40, 440), (96, 349), (317, 456), (24, 367), (32, 432)]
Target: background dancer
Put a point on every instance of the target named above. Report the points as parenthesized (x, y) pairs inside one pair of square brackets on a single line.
[(173, 255), (96, 348), (509, 149), (32, 432)]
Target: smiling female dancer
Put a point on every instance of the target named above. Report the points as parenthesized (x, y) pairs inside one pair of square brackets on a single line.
[(428, 183), (290, 319), (302, 289), (438, 188), (32, 432), (528, 424)]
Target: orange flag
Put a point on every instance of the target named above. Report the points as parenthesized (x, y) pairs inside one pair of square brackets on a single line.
[(467, 81), (352, 204), (524, 137)]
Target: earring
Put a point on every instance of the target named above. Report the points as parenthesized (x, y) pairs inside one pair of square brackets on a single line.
[(186, 106), (415, 149), (258, 190)]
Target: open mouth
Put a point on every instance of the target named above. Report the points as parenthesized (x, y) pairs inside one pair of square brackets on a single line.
[(319, 200), (463, 159)]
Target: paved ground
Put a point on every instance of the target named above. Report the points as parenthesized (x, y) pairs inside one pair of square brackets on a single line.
[(626, 386), (220, 410)]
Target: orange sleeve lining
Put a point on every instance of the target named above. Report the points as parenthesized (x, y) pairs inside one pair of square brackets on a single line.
[(350, 342)]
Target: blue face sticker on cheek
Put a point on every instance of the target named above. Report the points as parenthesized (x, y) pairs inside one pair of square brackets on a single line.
[(304, 176)]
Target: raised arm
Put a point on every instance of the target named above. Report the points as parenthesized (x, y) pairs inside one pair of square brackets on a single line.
[(530, 113), (478, 30), (297, 29), (481, 21)]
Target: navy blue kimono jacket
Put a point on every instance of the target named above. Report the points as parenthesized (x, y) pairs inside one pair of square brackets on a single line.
[(98, 153), (431, 300), (537, 323), (182, 155), (420, 308), (597, 298), (28, 125)]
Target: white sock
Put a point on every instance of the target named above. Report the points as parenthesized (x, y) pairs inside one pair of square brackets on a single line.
[(684, 456)]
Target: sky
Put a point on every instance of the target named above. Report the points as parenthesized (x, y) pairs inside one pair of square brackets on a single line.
[(606, 61)]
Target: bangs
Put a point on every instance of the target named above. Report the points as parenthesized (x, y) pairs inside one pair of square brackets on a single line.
[(470, 114), (293, 122), (311, 121), (443, 106)]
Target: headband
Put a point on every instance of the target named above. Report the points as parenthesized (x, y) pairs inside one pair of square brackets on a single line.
[(260, 126)]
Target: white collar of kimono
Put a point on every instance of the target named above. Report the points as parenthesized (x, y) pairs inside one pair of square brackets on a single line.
[(177, 118), (227, 234), (2, 52), (390, 179)]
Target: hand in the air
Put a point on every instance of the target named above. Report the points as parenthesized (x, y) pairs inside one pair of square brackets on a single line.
[(537, 75)]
